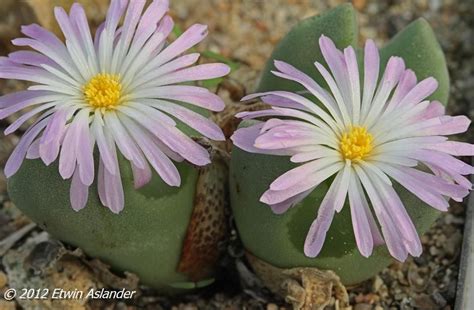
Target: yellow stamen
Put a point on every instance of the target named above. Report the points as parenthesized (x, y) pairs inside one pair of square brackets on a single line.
[(356, 144), (103, 91)]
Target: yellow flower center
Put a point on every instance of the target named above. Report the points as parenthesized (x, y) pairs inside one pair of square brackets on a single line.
[(103, 91), (356, 144)]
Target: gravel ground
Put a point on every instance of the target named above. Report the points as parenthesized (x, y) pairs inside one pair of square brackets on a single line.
[(246, 32)]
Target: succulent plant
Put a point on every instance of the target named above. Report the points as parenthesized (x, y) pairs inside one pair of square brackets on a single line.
[(279, 239), (117, 162), (167, 236)]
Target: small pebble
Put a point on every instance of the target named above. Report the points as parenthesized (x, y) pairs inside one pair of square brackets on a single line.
[(3, 280), (433, 251), (363, 307), (7, 305), (377, 283), (439, 299), (272, 307), (423, 302), (419, 281), (451, 246), (450, 293), (121, 306)]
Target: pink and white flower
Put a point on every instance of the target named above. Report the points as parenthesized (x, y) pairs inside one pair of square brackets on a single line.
[(367, 136), (120, 90)]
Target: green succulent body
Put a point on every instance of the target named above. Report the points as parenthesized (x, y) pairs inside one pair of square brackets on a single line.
[(146, 238), (279, 239)]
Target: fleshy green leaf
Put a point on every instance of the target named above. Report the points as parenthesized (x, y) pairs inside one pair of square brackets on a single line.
[(145, 238), (279, 239), (220, 58), (177, 30), (300, 46), (418, 46), (212, 82)]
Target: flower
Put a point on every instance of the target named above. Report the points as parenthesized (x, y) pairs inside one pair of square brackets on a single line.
[(368, 136), (123, 89)]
